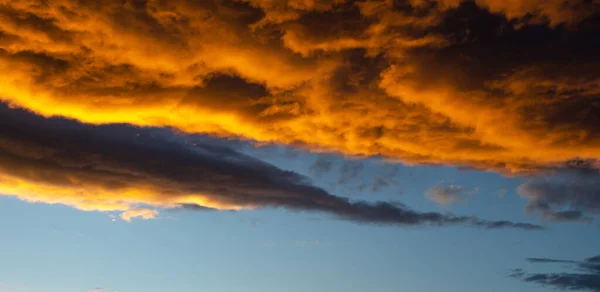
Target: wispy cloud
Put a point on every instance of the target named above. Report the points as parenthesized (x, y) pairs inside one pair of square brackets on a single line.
[(588, 279)]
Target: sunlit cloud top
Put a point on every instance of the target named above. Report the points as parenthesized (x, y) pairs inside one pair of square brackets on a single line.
[(509, 86)]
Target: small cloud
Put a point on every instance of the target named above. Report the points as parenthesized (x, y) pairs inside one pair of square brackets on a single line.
[(385, 180), (502, 193), (350, 170), (516, 273), (145, 214), (447, 195), (379, 184)]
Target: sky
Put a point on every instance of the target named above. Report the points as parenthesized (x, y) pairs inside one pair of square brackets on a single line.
[(299, 145)]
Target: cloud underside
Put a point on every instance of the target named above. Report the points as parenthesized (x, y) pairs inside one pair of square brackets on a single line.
[(135, 171), (510, 86)]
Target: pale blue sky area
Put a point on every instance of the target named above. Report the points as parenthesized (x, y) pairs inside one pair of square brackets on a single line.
[(54, 248)]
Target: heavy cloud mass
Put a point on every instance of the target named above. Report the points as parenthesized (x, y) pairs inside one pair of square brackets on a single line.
[(132, 170), (509, 86)]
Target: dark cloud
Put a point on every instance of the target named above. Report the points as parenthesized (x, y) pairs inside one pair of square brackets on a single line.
[(350, 170), (381, 179), (587, 280), (582, 167), (568, 195), (546, 260), (516, 273), (379, 184), (504, 224), (119, 168), (322, 165), (228, 93), (386, 178)]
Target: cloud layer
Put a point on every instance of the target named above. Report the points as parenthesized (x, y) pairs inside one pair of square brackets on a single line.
[(133, 171), (510, 86)]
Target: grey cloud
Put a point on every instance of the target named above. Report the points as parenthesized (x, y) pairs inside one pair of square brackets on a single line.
[(350, 170), (323, 164), (547, 260), (379, 184), (386, 179), (516, 273), (566, 196), (588, 279), (64, 153)]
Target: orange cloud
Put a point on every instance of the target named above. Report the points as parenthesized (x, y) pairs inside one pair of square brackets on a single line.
[(411, 82), (145, 214)]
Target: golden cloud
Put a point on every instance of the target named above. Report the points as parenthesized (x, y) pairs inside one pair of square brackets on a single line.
[(408, 80)]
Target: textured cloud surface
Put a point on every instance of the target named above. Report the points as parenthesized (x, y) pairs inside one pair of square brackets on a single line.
[(510, 86), (120, 168)]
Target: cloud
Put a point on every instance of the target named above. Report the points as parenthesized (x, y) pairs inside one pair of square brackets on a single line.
[(546, 260), (379, 184), (321, 166), (509, 86), (135, 171), (566, 196), (446, 195), (587, 280), (384, 180), (145, 214), (350, 170), (516, 273)]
